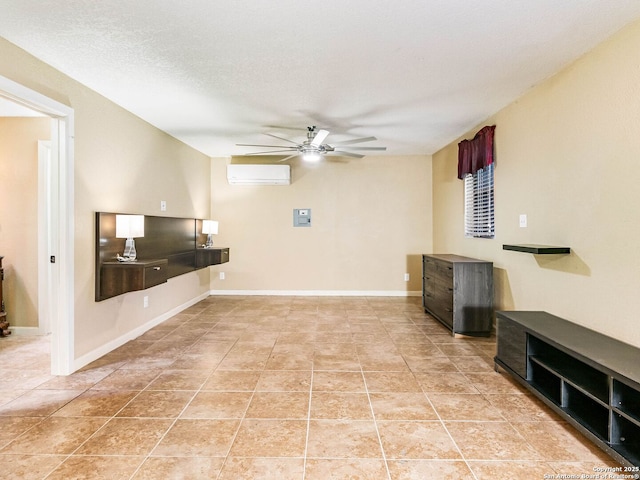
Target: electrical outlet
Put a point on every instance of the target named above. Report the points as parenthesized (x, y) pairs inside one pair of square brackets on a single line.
[(145, 301), (163, 206), (523, 220), (221, 275), (407, 277)]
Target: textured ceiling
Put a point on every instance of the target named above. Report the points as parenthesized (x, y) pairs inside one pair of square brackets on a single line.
[(414, 73)]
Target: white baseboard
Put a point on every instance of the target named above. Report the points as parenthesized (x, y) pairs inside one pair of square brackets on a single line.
[(24, 331), (133, 334), (322, 293)]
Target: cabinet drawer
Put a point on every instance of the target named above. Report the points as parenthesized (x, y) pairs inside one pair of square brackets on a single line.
[(438, 290), (211, 256), (435, 279), (442, 310), (440, 287), (117, 278), (428, 267), (444, 271), (154, 275), (438, 269)]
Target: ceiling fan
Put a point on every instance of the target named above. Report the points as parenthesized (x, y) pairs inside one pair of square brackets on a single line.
[(313, 148)]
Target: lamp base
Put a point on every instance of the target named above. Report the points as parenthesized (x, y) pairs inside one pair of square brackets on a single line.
[(209, 243), (130, 250)]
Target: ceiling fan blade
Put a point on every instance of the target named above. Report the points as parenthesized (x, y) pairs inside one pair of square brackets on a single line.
[(258, 145), (319, 138), (356, 140), (284, 127), (287, 158), (364, 148), (347, 154), (281, 138), (270, 152)]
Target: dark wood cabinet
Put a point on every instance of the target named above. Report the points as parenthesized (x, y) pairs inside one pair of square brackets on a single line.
[(211, 256), (458, 291), (121, 277), (589, 379)]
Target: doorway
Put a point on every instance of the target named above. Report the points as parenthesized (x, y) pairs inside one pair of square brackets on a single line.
[(56, 242)]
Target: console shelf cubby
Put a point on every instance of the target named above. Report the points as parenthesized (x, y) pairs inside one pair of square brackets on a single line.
[(626, 400), (589, 379)]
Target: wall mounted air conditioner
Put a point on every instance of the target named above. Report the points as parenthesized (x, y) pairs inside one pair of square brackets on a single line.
[(241, 174)]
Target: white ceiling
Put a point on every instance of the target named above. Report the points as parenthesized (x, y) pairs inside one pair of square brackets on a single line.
[(414, 73)]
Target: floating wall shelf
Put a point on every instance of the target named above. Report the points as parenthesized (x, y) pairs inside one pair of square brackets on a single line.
[(537, 249)]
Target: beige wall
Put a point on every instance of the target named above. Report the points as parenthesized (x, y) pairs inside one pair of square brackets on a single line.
[(566, 155), (371, 220), (19, 215), (122, 164)]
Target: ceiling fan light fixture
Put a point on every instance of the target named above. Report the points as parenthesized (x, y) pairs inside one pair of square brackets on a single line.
[(312, 156)]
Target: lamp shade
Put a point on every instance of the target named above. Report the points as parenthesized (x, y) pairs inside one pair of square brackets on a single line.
[(129, 226), (210, 227)]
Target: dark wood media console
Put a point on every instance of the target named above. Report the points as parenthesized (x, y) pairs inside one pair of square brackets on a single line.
[(589, 379), (170, 247)]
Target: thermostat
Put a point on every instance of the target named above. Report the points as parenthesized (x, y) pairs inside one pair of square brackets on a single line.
[(301, 217)]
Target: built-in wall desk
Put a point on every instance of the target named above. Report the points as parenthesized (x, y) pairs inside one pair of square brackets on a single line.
[(170, 247), (211, 256), (122, 277)]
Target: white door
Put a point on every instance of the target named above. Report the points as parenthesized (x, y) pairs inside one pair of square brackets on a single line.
[(48, 207)]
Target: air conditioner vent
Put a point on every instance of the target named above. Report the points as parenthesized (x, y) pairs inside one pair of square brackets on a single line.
[(242, 174)]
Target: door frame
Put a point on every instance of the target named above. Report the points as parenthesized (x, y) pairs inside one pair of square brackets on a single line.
[(60, 234), (47, 200)]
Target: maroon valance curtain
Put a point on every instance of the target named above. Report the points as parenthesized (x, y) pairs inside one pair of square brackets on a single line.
[(474, 155)]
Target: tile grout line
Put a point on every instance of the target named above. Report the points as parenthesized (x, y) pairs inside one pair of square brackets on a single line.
[(306, 440), (462, 456), (373, 415), (241, 420), (148, 455), (438, 414), (70, 455)]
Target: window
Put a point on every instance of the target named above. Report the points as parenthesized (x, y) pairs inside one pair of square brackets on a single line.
[(478, 204)]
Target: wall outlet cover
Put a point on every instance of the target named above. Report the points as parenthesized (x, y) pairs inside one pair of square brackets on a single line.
[(523, 220)]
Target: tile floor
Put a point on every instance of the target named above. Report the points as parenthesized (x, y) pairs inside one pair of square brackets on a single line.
[(282, 388)]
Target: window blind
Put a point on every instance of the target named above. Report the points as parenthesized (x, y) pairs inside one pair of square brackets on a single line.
[(479, 219)]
